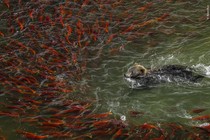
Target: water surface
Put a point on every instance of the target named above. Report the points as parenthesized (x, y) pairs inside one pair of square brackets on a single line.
[(48, 44), (188, 45)]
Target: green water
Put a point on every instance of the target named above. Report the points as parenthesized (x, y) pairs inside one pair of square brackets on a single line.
[(188, 45), (183, 38)]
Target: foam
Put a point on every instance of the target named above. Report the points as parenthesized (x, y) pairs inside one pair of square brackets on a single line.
[(204, 69)]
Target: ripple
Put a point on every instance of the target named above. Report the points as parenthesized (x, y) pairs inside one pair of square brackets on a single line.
[(184, 40)]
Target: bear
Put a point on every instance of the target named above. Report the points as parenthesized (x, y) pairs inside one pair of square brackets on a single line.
[(139, 76)]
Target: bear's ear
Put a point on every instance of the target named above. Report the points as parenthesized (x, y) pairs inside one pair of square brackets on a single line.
[(136, 64)]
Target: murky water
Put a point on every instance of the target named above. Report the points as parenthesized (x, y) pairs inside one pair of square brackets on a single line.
[(46, 48), (188, 45)]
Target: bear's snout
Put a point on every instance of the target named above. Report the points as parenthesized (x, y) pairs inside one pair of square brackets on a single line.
[(126, 76)]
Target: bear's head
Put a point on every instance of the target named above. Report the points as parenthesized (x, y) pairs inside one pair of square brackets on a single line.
[(135, 71)]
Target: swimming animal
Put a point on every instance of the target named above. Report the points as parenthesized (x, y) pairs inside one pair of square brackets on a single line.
[(139, 76)]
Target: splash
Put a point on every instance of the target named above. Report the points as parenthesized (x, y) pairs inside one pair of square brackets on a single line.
[(204, 69)]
